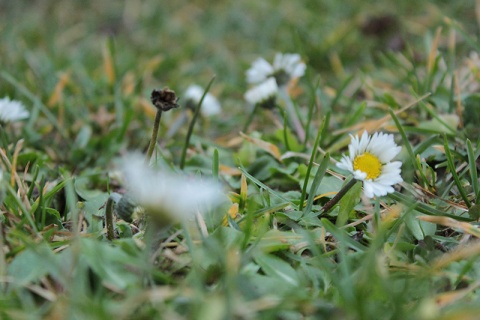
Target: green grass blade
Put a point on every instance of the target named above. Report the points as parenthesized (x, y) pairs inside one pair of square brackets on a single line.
[(262, 185), (340, 235), (453, 171), (320, 134), (423, 207), (192, 124), (409, 148), (316, 182), (472, 163), (311, 106), (215, 165), (340, 91)]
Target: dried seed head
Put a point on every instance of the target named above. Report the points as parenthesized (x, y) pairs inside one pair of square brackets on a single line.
[(164, 99)]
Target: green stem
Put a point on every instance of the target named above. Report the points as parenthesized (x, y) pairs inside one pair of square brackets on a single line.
[(329, 205), (192, 124), (320, 134), (109, 218), (153, 140), (285, 128)]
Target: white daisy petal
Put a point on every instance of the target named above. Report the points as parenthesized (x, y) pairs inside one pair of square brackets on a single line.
[(171, 196), (285, 68), (259, 71), (210, 106), (12, 110), (359, 175), (263, 92), (345, 164), (363, 143), (368, 189)]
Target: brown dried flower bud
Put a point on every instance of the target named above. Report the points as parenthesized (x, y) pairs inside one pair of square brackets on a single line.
[(164, 99)]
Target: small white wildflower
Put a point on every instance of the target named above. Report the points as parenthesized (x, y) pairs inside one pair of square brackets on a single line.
[(263, 93), (285, 68), (210, 105), (370, 161), (12, 110), (291, 64), (168, 196)]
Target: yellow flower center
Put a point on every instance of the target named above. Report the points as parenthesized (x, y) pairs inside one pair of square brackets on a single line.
[(369, 164)]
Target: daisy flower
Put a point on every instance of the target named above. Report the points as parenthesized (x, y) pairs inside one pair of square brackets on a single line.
[(370, 161), (12, 110), (285, 68), (210, 105), (263, 94), (168, 196)]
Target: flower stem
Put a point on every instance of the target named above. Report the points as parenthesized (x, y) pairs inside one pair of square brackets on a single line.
[(192, 124), (329, 205), (109, 218), (153, 140)]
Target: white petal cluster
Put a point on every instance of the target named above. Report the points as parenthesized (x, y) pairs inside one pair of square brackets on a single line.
[(262, 92), (12, 110), (260, 71), (383, 147), (174, 197), (210, 105), (289, 64)]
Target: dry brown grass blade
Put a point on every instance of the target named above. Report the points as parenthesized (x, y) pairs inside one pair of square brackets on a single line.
[(469, 314), (459, 253), (264, 145), (11, 166), (450, 297), (232, 212), (108, 64), (464, 227), (57, 94), (433, 50), (229, 171), (375, 125)]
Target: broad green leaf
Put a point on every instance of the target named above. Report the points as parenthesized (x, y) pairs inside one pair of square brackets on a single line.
[(278, 268)]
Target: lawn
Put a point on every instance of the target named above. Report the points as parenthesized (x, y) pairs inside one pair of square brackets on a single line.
[(239, 159)]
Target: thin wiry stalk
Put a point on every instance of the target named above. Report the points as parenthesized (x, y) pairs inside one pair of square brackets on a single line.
[(153, 139), (329, 205)]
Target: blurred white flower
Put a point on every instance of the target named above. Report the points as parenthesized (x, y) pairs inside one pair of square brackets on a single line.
[(168, 196), (259, 71), (285, 68), (12, 110), (370, 161), (210, 105), (263, 93)]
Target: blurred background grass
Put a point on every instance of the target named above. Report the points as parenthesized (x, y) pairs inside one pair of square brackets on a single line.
[(195, 39), (78, 57)]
